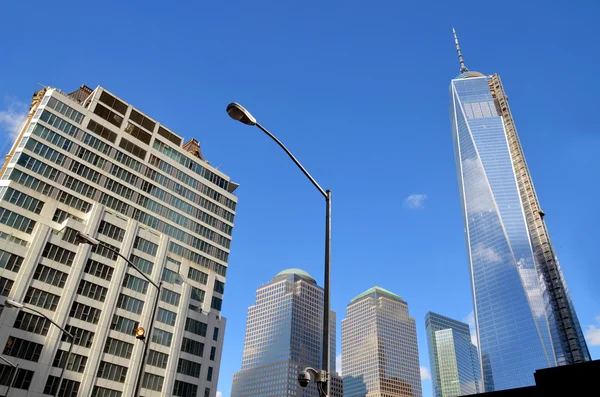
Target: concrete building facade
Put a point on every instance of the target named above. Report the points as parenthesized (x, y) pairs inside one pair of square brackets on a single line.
[(89, 162)]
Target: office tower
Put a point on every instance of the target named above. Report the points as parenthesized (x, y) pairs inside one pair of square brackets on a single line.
[(89, 162), (284, 336), (454, 360), (524, 315), (379, 347)]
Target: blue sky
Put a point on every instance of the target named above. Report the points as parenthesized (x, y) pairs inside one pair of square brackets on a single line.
[(359, 91)]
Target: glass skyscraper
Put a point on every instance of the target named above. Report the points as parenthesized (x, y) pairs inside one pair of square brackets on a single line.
[(380, 357), (454, 360), (525, 318), (283, 336)]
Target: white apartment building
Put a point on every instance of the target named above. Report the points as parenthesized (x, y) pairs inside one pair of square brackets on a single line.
[(89, 162)]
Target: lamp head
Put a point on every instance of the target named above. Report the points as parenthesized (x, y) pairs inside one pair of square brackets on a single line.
[(237, 112), (85, 239), (140, 333), (13, 304)]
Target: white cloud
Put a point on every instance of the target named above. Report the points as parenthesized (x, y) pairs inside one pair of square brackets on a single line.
[(592, 334), (12, 119), (219, 394), (487, 254), (425, 375), (470, 319), (415, 201), (338, 364)]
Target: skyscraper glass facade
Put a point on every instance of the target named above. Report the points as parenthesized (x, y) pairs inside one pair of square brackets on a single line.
[(283, 336), (525, 318), (379, 347), (454, 360)]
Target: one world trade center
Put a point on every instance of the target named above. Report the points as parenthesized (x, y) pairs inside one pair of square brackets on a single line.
[(525, 318)]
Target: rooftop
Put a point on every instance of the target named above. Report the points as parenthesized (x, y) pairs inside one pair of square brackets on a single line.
[(377, 291), (297, 272)]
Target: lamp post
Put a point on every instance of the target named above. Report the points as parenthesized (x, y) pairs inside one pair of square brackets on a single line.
[(140, 332), (237, 112), (15, 368), (17, 305)]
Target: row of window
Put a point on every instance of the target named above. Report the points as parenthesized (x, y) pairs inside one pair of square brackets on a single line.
[(190, 181), (22, 200), (16, 221), (192, 165), (179, 234), (65, 110)]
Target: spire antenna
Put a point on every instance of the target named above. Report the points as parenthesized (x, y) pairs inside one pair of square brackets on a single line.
[(463, 68)]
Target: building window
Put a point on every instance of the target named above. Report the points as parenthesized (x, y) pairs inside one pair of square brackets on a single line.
[(170, 297), (118, 348), (108, 115), (23, 200), (113, 372), (213, 353), (135, 283), (142, 120), (216, 334), (216, 303), (152, 382), (106, 250), (209, 374), (81, 337), (98, 269), (198, 276), (68, 387), (183, 389), (76, 361), (5, 286), (190, 368), (50, 276), (58, 254), (124, 325), (24, 349), (85, 313), (192, 347), (162, 337), (197, 294), (145, 246), (157, 359), (32, 323), (16, 221), (130, 304), (143, 264), (21, 381), (111, 231), (42, 299), (219, 287), (98, 391), (169, 276), (92, 290), (10, 261), (165, 316), (60, 216), (113, 102), (132, 148), (195, 327)]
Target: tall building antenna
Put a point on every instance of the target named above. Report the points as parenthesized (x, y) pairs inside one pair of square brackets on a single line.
[(463, 68)]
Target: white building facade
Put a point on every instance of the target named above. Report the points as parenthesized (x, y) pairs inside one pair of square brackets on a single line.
[(89, 162)]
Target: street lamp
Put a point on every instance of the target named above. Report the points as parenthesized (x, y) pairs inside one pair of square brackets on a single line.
[(17, 305), (15, 368), (239, 113), (140, 333)]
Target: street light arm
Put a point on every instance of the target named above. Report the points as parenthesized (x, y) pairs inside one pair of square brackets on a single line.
[(273, 137)]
